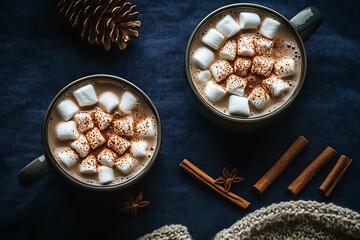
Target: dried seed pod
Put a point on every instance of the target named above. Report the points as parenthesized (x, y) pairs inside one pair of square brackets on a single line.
[(102, 22)]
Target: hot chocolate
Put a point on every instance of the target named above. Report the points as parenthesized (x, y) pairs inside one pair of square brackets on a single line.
[(102, 133), (245, 63)]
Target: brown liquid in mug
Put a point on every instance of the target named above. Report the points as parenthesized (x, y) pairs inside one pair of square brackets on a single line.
[(285, 45), (139, 113)]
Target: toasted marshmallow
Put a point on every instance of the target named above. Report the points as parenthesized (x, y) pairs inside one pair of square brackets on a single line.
[(269, 27), (284, 67), (83, 121), (228, 26), (86, 95), (67, 156), (95, 138), (238, 106), (127, 103), (118, 144), (213, 39), (221, 69), (105, 174), (214, 91), (258, 97), (275, 86), (235, 85), (102, 119), (109, 101), (204, 76), (228, 51), (262, 66), (66, 131), (124, 126), (88, 165), (106, 157), (246, 46), (146, 127), (263, 46), (67, 109), (203, 57), (249, 20), (242, 66), (81, 146), (138, 149), (125, 163)]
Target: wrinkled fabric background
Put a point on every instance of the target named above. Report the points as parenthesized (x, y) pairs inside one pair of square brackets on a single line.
[(40, 55)]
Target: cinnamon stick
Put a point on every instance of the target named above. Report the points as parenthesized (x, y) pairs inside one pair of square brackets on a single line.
[(281, 164), (310, 171), (335, 175), (210, 182)]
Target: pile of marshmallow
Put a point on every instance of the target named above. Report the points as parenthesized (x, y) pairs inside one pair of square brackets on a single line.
[(240, 56), (83, 130)]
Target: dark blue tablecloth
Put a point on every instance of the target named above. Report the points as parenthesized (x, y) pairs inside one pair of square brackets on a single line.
[(40, 55)]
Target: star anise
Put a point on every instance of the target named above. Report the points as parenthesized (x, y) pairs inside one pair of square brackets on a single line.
[(228, 179), (133, 204)]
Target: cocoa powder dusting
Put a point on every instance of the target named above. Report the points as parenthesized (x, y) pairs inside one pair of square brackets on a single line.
[(253, 81)]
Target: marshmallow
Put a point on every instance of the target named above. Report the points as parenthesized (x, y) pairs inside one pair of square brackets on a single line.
[(81, 146), (138, 149), (269, 27), (203, 57), (67, 156), (125, 163), (106, 157), (263, 46), (262, 66), (228, 51), (83, 121), (204, 76), (86, 95), (127, 103), (66, 131), (228, 26), (246, 46), (88, 165), (102, 119), (214, 91), (95, 138), (242, 66), (235, 85), (221, 69), (146, 127), (249, 20), (275, 86), (124, 126), (105, 175), (258, 97), (284, 67), (238, 106), (108, 100), (67, 109), (118, 144), (213, 39)]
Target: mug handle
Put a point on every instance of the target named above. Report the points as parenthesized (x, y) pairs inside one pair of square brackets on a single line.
[(307, 22), (34, 171)]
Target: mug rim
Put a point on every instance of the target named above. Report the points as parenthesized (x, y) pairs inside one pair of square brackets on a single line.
[(236, 119), (110, 78)]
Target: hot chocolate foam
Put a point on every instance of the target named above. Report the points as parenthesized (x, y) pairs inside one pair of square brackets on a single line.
[(95, 149), (265, 49)]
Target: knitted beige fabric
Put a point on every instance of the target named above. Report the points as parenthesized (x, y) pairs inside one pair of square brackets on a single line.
[(168, 232), (296, 220), (285, 220)]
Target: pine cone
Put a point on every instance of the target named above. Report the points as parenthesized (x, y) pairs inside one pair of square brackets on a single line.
[(102, 21)]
